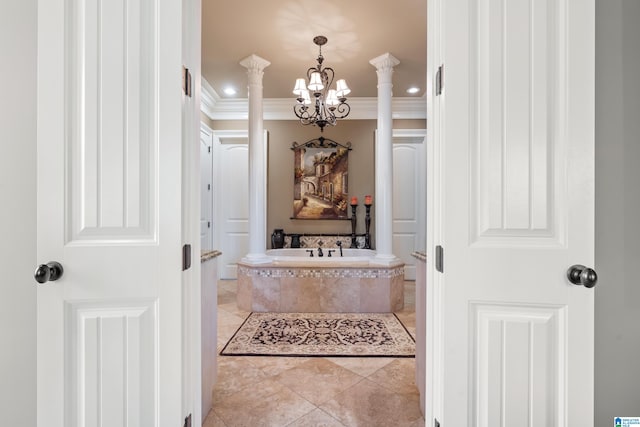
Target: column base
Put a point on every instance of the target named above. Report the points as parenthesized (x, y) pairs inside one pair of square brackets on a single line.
[(385, 259)]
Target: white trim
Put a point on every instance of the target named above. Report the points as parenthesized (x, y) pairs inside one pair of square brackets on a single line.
[(217, 108), (433, 351), (191, 278), (208, 98)]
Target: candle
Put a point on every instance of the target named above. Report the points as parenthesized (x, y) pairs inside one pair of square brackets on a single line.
[(367, 200), (354, 200)]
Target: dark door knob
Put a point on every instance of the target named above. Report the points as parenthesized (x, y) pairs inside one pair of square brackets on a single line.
[(51, 271), (581, 275)]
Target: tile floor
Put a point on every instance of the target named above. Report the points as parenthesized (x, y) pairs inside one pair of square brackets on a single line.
[(311, 391)]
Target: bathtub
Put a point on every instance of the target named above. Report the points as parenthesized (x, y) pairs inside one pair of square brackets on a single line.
[(292, 281)]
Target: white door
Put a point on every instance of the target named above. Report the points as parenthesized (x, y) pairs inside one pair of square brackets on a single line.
[(109, 210), (408, 196), (206, 188), (515, 130), (231, 164)]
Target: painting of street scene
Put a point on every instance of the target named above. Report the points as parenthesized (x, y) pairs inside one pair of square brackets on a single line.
[(320, 180)]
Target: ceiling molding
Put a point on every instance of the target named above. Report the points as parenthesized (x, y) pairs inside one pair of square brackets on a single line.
[(208, 98), (217, 108)]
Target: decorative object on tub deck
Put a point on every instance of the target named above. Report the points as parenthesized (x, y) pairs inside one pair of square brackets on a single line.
[(295, 240), (321, 335), (354, 220), (320, 174), (367, 222), (277, 238)]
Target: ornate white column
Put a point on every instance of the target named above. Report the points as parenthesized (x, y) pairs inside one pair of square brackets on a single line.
[(384, 159), (257, 157)]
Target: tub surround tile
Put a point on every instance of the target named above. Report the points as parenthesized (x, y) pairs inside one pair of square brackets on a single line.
[(300, 295), (268, 296), (373, 297), (340, 295), (397, 293), (288, 289), (244, 294)]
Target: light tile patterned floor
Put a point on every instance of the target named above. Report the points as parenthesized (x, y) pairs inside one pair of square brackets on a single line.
[(311, 391)]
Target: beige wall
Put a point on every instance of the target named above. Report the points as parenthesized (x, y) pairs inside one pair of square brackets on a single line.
[(18, 44), (282, 133), (617, 335)]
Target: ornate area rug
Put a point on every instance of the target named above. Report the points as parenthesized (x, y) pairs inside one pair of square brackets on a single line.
[(321, 334)]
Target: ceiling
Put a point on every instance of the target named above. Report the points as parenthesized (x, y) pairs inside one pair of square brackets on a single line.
[(282, 32)]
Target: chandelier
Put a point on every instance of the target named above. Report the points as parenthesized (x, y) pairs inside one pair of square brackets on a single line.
[(329, 105)]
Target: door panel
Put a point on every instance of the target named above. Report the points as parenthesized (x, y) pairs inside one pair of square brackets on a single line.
[(109, 210), (111, 158), (517, 123), (516, 139)]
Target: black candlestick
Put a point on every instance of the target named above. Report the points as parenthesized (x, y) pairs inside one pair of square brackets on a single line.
[(353, 226), (367, 224)]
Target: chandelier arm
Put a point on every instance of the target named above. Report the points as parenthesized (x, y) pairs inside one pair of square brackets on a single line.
[(310, 71), (302, 112), (342, 110), (327, 79)]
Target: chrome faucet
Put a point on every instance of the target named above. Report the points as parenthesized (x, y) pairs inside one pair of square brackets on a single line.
[(320, 252), (339, 243)]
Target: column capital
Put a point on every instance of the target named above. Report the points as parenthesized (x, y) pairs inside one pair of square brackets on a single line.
[(254, 64), (385, 62)]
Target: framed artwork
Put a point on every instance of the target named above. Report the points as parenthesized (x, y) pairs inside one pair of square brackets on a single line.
[(321, 179)]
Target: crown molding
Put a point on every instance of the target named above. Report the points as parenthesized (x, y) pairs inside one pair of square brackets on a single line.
[(217, 108), (209, 98)]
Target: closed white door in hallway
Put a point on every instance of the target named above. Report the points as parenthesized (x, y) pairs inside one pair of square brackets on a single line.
[(409, 196)]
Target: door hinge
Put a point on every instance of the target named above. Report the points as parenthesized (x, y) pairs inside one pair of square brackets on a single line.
[(186, 257), (436, 423), (209, 187), (208, 224), (440, 259), (209, 149), (186, 81), (440, 80), (187, 421)]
